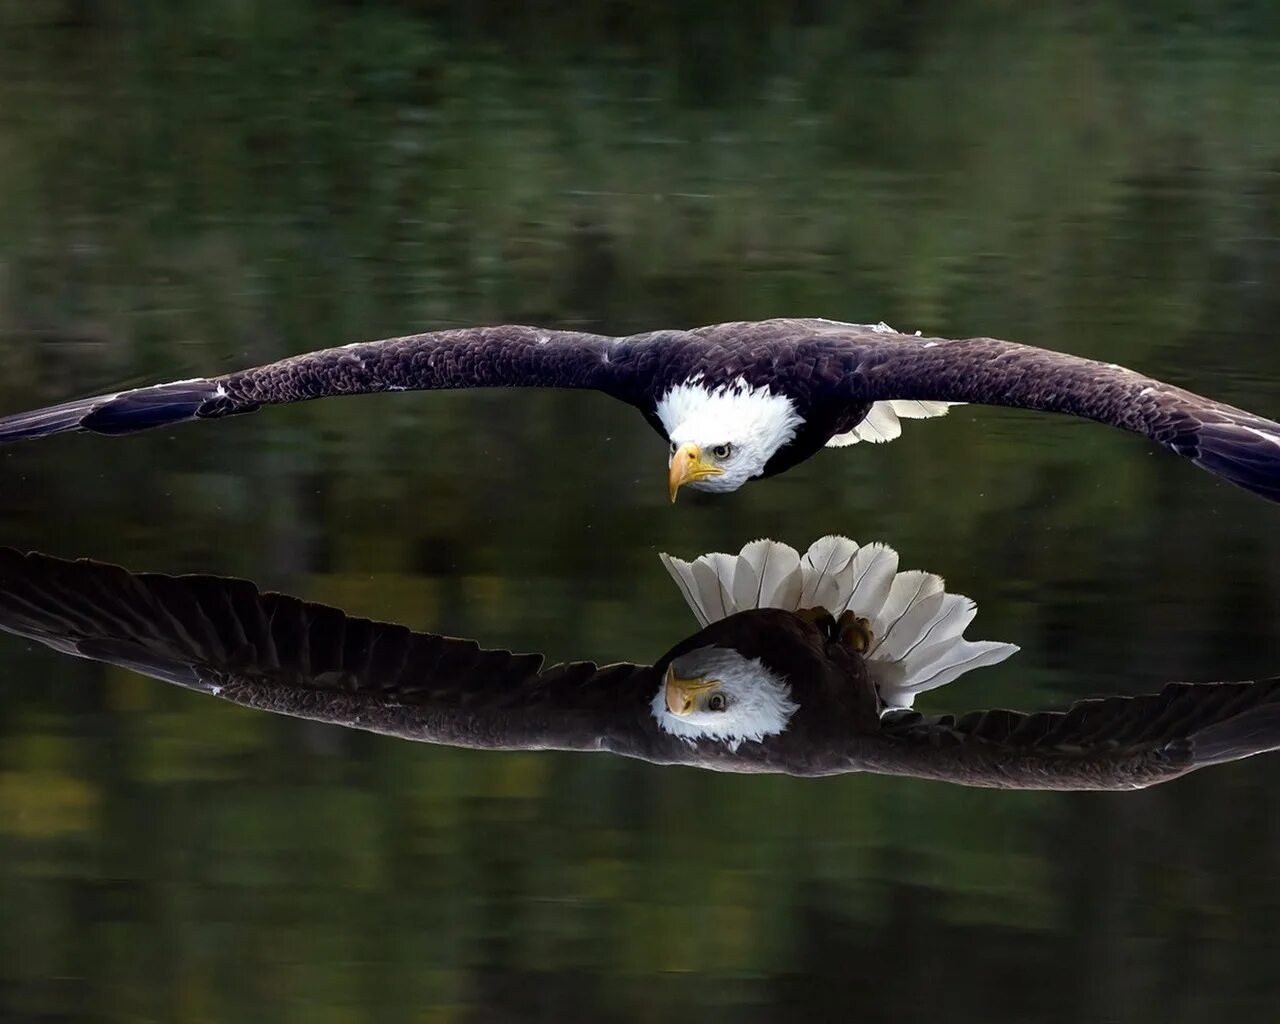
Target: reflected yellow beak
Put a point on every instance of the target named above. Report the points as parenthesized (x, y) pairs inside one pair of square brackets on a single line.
[(681, 692), (687, 465)]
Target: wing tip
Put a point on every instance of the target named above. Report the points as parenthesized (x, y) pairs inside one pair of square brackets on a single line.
[(121, 412), (1246, 454), (1255, 731), (53, 419)]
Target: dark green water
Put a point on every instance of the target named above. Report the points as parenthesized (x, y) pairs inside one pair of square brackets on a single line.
[(194, 189)]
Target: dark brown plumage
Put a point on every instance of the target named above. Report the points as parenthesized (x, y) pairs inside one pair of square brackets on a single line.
[(832, 373), (277, 653)]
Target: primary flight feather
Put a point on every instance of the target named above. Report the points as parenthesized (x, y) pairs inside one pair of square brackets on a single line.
[(733, 401)]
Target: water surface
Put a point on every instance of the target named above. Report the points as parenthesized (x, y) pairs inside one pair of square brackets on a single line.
[(194, 192)]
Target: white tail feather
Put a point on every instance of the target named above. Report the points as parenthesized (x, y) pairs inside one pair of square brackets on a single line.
[(909, 591), (918, 627), (875, 567), (882, 421), (911, 409), (777, 568), (825, 565)]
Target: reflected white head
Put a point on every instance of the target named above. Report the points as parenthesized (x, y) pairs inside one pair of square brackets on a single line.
[(716, 693), (722, 437)]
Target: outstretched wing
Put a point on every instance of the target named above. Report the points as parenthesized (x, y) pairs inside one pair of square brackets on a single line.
[(509, 356), (278, 653), (1110, 743), (869, 366), (878, 375)]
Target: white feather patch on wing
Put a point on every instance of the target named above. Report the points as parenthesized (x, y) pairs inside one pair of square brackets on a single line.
[(918, 628), (883, 420)]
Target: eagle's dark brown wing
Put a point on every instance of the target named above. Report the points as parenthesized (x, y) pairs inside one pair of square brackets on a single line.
[(278, 653), (832, 372), (475, 357), (1109, 743), (866, 366)]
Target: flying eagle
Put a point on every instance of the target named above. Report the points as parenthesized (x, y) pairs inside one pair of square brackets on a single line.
[(733, 401), (773, 687)]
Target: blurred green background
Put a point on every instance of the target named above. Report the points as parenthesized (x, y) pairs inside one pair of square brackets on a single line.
[(192, 188)]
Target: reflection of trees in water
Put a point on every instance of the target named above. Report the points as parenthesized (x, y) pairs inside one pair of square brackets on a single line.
[(485, 869), (1101, 189), (389, 879), (202, 195), (253, 193)]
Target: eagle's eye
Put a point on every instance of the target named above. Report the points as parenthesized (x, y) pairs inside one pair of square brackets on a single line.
[(721, 451), (717, 702)]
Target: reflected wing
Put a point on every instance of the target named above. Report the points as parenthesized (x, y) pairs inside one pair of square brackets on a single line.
[(874, 365), (278, 653), (1110, 743)]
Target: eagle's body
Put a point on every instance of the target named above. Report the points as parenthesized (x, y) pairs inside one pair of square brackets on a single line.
[(767, 394), (280, 654)]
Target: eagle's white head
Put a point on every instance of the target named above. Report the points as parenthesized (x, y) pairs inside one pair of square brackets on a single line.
[(716, 693), (722, 437)]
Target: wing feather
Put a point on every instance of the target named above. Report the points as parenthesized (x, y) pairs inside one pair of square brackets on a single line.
[(918, 629), (745, 585), (777, 566), (881, 422), (1114, 743), (871, 577), (278, 653), (870, 368), (506, 356), (874, 370), (682, 572), (823, 566)]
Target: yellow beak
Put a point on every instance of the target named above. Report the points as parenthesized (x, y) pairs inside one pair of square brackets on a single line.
[(687, 465), (681, 692)]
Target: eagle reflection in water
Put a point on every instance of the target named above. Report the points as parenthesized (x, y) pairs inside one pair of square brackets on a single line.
[(804, 665)]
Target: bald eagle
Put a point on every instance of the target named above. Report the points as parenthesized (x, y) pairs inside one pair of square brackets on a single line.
[(732, 401), (766, 685)]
